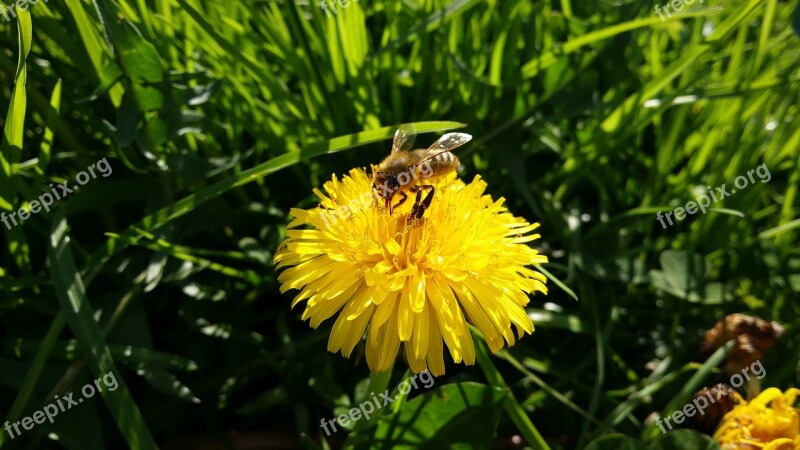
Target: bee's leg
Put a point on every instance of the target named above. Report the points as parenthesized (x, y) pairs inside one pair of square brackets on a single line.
[(402, 200), (420, 206)]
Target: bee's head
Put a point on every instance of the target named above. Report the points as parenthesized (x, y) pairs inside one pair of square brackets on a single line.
[(385, 184)]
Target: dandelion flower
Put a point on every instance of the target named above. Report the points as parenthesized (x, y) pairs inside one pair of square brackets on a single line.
[(768, 422), (412, 282)]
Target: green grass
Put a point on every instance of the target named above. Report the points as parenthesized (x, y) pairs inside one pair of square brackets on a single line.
[(219, 116)]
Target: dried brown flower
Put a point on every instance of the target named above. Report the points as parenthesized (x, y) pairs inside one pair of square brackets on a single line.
[(753, 337)]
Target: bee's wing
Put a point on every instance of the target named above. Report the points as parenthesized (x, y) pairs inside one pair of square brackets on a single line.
[(446, 143), (404, 138), (449, 142)]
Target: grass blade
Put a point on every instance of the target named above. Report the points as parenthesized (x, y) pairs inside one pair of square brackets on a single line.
[(511, 405), (80, 317), (34, 373)]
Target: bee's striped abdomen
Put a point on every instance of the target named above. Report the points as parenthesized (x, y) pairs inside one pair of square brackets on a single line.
[(449, 159), (444, 160)]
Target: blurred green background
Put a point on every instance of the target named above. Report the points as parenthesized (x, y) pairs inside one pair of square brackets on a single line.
[(218, 116)]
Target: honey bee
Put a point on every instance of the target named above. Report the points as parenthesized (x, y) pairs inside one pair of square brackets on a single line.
[(399, 173)]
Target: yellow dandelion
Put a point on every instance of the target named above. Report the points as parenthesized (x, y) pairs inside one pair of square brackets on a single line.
[(768, 422), (416, 283)]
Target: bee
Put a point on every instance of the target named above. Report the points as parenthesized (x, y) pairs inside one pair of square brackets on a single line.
[(399, 173), (720, 399)]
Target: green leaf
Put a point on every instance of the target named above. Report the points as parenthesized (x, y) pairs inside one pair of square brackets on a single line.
[(139, 58), (34, 372), (80, 318), (14, 128), (772, 232), (134, 357), (274, 85), (167, 383), (456, 416), (94, 45), (796, 20), (558, 282), (621, 115), (52, 119), (141, 63), (674, 440), (12, 142), (128, 115), (684, 440), (682, 273), (436, 19), (78, 428), (616, 442), (512, 406), (547, 59), (694, 384), (545, 318)]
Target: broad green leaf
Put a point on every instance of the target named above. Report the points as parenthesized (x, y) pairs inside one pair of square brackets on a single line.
[(615, 442), (455, 416), (141, 64), (681, 273), (684, 440)]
